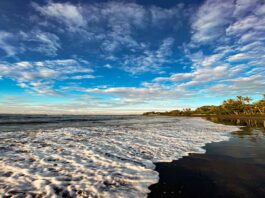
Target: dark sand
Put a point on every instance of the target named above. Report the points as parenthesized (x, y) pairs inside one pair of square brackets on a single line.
[(235, 168)]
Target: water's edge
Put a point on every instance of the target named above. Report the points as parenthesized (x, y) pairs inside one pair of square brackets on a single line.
[(223, 171), (100, 161)]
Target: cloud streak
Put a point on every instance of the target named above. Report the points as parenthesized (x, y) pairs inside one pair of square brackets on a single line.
[(41, 76)]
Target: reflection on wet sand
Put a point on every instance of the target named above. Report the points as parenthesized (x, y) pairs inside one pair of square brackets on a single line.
[(234, 168)]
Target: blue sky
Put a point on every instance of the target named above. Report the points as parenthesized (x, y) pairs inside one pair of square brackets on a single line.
[(116, 57)]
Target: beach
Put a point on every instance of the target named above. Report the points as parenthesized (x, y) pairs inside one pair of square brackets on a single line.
[(95, 156), (234, 168), (132, 99)]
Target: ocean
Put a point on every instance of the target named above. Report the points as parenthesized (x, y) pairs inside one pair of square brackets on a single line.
[(95, 156)]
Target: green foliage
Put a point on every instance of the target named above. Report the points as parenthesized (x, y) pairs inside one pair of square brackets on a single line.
[(238, 106), (206, 109)]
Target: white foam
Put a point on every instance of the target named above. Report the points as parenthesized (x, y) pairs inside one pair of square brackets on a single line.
[(103, 161)]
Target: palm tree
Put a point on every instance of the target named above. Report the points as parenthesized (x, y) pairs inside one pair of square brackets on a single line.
[(247, 99), (240, 99), (260, 106), (229, 101)]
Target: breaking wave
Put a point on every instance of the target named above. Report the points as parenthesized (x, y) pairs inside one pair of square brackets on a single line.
[(99, 161)]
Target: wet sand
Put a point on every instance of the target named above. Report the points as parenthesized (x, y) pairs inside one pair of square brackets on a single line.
[(234, 168)]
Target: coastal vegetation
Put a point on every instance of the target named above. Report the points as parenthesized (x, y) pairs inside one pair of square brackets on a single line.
[(239, 106)]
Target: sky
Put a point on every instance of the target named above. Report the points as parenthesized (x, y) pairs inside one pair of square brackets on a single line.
[(127, 57)]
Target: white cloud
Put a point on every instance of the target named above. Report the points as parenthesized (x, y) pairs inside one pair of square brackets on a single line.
[(150, 61), (250, 85), (107, 66), (216, 18), (238, 57), (70, 15), (113, 27), (201, 75), (145, 95), (41, 76), (246, 79), (251, 36), (242, 25), (253, 46), (177, 87), (17, 43), (209, 22), (161, 15), (81, 77), (211, 60), (175, 77), (234, 31), (40, 41), (260, 10), (117, 17), (5, 45), (49, 43), (244, 7)]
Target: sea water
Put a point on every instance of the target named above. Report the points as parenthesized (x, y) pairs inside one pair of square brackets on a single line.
[(104, 156)]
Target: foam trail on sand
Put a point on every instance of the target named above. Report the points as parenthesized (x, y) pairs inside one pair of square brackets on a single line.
[(99, 161)]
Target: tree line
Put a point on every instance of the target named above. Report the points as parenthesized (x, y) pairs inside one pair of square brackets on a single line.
[(237, 106)]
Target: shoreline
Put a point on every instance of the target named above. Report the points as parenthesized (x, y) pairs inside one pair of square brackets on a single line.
[(242, 121), (223, 171), (193, 134), (251, 117)]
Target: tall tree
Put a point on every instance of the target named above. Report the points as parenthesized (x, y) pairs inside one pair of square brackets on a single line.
[(240, 99), (247, 99)]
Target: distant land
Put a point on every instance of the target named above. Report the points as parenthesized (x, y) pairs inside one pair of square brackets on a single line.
[(240, 107)]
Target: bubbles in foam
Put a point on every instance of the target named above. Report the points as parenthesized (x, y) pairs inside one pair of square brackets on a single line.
[(102, 161)]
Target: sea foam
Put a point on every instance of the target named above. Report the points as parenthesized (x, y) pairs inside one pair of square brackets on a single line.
[(99, 161)]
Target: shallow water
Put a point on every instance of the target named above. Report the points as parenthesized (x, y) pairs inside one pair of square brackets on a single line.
[(234, 168), (100, 157)]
